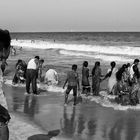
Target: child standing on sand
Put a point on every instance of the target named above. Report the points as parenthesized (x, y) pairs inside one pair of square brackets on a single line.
[(73, 82)]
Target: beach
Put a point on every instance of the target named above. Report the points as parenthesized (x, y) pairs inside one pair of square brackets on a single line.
[(17, 101), (93, 118)]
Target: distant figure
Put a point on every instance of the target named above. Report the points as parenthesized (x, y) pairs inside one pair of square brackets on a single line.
[(31, 75), (51, 77), (20, 48), (111, 73), (73, 82), (96, 78), (20, 73), (13, 51), (85, 78)]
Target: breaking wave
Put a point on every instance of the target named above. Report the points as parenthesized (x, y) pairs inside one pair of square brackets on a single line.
[(103, 57), (120, 50)]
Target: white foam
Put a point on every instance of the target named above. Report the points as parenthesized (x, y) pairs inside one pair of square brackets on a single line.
[(97, 56), (121, 50), (104, 100), (9, 82), (41, 86)]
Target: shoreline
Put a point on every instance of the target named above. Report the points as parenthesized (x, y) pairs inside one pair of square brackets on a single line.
[(19, 128), (18, 125)]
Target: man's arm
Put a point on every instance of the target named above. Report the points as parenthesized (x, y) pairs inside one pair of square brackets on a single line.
[(78, 82), (65, 83)]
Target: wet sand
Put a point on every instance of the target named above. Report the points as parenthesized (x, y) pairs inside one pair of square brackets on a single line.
[(86, 121)]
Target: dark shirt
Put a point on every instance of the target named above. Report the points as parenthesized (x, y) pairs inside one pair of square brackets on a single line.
[(85, 76)]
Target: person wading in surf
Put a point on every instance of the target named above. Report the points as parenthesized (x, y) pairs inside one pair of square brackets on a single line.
[(73, 82), (32, 74)]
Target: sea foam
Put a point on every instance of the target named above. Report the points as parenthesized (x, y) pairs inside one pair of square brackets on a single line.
[(103, 57), (104, 100), (120, 50)]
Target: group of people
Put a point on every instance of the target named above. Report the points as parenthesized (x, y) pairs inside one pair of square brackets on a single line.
[(122, 82), (31, 72)]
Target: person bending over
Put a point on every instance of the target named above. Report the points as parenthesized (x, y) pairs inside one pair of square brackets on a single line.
[(51, 77), (32, 74)]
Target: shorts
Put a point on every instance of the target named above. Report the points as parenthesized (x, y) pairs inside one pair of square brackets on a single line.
[(74, 88), (87, 88)]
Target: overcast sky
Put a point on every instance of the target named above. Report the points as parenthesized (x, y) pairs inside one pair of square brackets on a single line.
[(70, 15)]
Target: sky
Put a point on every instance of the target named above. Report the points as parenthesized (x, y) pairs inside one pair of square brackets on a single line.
[(69, 15)]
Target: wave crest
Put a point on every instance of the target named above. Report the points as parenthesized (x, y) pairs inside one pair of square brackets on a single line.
[(120, 50)]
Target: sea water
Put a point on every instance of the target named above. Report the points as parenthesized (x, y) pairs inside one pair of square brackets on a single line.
[(112, 46), (95, 118)]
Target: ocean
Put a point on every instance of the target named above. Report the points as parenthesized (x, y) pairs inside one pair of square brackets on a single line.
[(104, 46)]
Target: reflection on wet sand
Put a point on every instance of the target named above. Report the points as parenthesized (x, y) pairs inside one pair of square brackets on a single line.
[(68, 124), (115, 132), (30, 105), (86, 121), (131, 128), (81, 124), (102, 124)]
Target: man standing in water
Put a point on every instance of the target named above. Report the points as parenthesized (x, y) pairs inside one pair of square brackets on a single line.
[(73, 82), (32, 74)]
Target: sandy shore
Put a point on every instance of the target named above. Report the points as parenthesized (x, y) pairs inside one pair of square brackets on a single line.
[(17, 128)]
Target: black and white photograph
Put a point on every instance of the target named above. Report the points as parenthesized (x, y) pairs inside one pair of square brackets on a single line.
[(69, 70)]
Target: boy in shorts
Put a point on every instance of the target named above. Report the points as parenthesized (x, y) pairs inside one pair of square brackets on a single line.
[(73, 82)]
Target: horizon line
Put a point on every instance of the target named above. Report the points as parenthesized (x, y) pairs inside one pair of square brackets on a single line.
[(74, 31)]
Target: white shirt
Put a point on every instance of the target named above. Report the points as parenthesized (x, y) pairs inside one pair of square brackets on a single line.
[(32, 64), (51, 76), (131, 71)]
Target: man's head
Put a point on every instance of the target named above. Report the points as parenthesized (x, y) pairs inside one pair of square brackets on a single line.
[(85, 63), (37, 57), (74, 67), (41, 61), (112, 64), (136, 61)]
